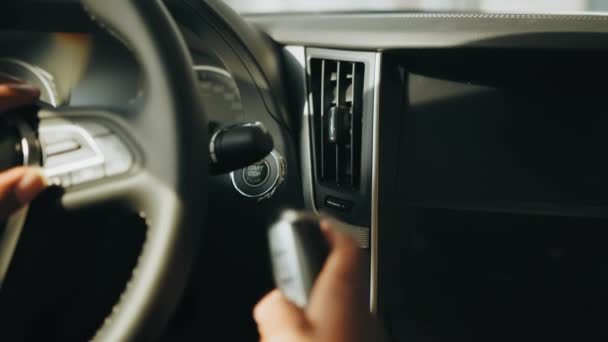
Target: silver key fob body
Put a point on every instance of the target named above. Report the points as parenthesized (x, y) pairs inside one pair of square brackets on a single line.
[(298, 250)]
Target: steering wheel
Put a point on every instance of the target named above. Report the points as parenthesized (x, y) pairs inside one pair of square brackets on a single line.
[(153, 160)]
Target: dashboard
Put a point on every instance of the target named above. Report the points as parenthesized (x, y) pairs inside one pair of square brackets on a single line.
[(487, 199), (76, 69), (464, 152), (89, 70), (71, 69)]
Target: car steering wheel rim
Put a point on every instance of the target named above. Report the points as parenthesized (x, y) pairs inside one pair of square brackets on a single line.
[(167, 184)]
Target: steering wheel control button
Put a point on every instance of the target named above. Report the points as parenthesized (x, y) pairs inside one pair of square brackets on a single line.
[(260, 180), (67, 148), (65, 180), (94, 128), (87, 175), (118, 158), (82, 151), (338, 204), (256, 175), (61, 147), (58, 161)]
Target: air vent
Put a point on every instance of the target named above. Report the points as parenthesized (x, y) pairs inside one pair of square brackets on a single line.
[(337, 88)]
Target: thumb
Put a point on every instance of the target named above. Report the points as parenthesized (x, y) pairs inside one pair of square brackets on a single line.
[(278, 319), (339, 292), (14, 95)]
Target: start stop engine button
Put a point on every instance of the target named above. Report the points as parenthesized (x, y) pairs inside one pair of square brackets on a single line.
[(260, 180), (255, 175)]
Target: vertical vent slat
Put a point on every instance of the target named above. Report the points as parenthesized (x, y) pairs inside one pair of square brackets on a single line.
[(322, 120), (353, 124), (338, 85), (331, 85), (356, 122), (339, 102)]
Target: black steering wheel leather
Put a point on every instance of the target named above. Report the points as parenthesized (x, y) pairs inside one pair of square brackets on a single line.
[(171, 129)]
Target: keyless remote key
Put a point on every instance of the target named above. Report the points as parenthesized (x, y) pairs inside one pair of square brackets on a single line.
[(298, 251)]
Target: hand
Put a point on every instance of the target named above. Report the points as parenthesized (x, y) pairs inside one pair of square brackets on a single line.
[(338, 310), (20, 185), (14, 93)]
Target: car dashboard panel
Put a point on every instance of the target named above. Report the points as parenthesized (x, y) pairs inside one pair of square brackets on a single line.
[(488, 206), (93, 69), (72, 69), (493, 217), (521, 145), (464, 152)]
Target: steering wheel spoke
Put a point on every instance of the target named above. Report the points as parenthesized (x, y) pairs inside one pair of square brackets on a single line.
[(93, 155)]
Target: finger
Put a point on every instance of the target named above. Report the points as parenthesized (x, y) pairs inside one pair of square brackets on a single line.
[(30, 185), (276, 316), (328, 226), (6, 78), (18, 187), (340, 283), (15, 95), (332, 228)]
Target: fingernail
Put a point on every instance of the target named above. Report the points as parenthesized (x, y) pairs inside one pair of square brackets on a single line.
[(24, 89), (329, 223), (30, 185), (325, 224)]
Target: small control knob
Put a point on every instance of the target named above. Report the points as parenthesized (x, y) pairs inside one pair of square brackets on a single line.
[(10, 147), (19, 143), (235, 147), (339, 125)]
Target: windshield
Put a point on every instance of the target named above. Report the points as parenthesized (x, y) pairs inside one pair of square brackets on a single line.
[(494, 6)]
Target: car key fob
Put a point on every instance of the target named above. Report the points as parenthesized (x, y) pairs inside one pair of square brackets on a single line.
[(298, 250)]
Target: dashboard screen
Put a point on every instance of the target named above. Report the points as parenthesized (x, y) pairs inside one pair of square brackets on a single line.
[(464, 144), (498, 228)]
